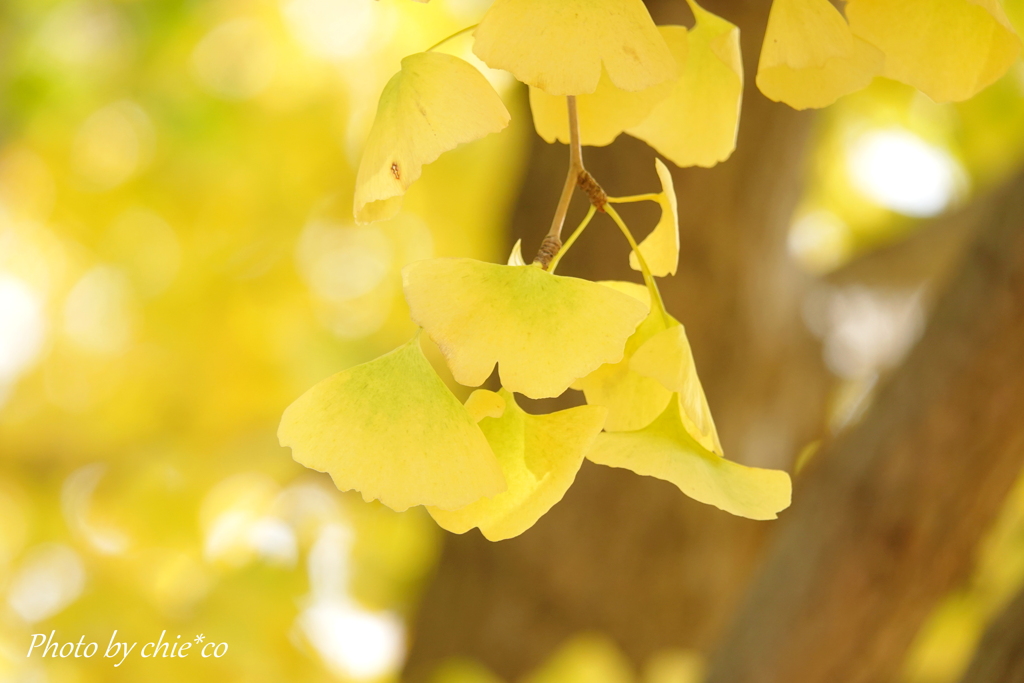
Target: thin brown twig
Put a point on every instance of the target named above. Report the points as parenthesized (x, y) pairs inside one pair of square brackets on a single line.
[(577, 176)]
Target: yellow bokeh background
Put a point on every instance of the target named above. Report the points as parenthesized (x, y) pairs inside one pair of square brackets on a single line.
[(178, 262)]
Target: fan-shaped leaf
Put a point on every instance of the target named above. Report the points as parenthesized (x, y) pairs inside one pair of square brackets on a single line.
[(665, 449), (810, 58), (432, 105), (696, 124), (560, 46), (948, 49), (392, 430), (539, 456), (544, 331)]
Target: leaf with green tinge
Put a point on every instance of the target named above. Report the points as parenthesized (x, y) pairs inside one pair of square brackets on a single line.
[(539, 456), (393, 431), (544, 331), (665, 450), (435, 103), (560, 46)]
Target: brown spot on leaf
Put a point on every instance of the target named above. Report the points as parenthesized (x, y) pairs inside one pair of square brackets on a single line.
[(395, 172)]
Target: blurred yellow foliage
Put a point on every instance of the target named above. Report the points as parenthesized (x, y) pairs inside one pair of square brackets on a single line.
[(178, 262)]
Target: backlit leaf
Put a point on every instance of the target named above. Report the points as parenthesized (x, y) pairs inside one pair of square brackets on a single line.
[(432, 105), (661, 247), (633, 400), (392, 430), (603, 114), (667, 357), (633, 289), (665, 449), (482, 403), (543, 330), (539, 456), (560, 46), (810, 58), (696, 124), (948, 49)]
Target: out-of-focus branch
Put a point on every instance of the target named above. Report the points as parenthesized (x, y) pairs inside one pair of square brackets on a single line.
[(1000, 655), (626, 555), (929, 254), (887, 519)]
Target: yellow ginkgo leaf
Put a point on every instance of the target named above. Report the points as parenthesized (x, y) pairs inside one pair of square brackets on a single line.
[(633, 289), (948, 49), (665, 449), (810, 58), (696, 124), (539, 456), (435, 103), (603, 114), (482, 403), (560, 46), (392, 430), (544, 331), (666, 357), (633, 400), (661, 247)]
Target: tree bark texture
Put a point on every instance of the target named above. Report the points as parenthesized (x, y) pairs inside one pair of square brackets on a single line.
[(887, 518), (627, 555)]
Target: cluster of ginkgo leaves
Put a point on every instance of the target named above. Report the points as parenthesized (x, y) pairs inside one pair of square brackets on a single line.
[(392, 429)]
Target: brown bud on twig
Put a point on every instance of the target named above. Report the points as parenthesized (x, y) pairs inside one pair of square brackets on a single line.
[(593, 190), (548, 249)]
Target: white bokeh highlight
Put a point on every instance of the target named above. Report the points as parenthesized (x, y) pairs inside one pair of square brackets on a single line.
[(76, 500), (331, 29), (22, 328), (100, 313), (51, 576), (353, 642), (902, 172)]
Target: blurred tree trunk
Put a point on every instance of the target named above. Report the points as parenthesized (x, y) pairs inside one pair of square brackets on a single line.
[(628, 555), (888, 517), (1000, 655)]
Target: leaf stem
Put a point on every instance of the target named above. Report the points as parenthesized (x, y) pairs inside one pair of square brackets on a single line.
[(572, 238), (650, 197), (552, 243), (652, 286), (454, 35)]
